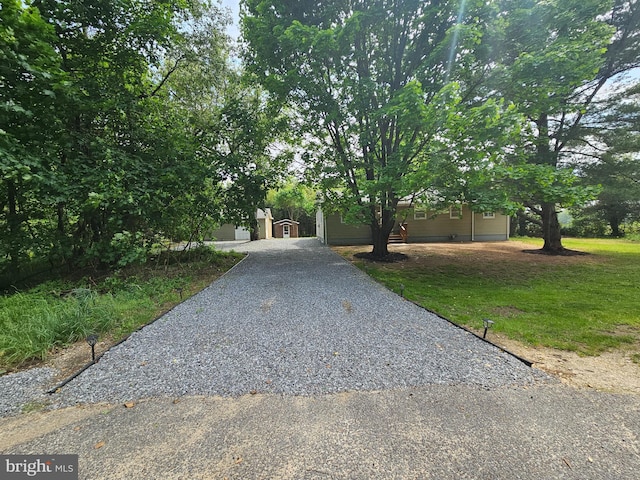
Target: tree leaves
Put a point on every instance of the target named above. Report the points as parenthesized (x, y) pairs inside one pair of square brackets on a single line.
[(371, 84), (98, 157)]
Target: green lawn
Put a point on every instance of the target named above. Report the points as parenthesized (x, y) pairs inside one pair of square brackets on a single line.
[(586, 304)]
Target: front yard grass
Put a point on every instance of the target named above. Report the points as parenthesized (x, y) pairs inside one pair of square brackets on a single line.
[(587, 304)]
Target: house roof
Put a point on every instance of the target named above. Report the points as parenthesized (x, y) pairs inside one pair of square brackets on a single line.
[(287, 222)]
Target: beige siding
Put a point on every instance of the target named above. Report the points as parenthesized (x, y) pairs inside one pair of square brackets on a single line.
[(224, 233), (438, 227), (491, 228), (339, 233), (320, 232), (265, 228)]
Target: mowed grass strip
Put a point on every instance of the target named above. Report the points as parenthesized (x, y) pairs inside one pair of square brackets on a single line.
[(587, 304)]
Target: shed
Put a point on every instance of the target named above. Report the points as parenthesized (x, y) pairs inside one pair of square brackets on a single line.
[(265, 223), (286, 228)]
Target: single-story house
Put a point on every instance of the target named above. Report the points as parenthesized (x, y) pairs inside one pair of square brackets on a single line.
[(420, 226), (285, 228), (228, 232)]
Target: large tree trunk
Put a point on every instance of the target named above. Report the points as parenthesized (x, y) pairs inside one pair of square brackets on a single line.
[(255, 229), (550, 224), (551, 229), (380, 231), (614, 223), (380, 242)]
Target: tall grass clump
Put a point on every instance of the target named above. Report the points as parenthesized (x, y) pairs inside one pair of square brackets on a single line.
[(56, 313), (33, 323)]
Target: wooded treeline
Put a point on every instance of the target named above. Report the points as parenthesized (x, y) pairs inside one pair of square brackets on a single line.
[(122, 124)]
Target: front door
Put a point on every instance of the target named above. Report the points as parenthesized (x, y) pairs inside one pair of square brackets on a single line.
[(285, 231)]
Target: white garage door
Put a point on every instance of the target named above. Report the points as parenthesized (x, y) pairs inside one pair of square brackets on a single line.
[(242, 234)]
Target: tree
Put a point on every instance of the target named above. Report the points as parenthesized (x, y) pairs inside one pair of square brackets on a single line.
[(372, 85), (31, 81), (293, 199), (556, 57), (619, 201), (297, 202), (613, 159), (107, 157), (242, 136)]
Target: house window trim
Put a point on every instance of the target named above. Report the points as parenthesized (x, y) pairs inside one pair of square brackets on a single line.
[(420, 214), (488, 215), (455, 212)]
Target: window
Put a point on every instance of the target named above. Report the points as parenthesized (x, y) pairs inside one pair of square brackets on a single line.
[(487, 215), (419, 214), (455, 212)]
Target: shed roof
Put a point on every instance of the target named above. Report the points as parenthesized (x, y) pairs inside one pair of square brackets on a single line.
[(286, 221)]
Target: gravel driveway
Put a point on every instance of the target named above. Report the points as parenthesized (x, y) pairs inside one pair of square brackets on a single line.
[(293, 318)]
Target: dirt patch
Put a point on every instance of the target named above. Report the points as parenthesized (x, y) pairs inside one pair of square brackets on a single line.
[(391, 257), (614, 371), (71, 359), (565, 252), (24, 428), (480, 254)]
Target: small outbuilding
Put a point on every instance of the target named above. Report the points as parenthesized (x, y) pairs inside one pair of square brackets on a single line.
[(285, 228), (228, 232)]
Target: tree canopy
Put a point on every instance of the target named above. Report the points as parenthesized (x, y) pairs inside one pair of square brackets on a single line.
[(122, 124), (126, 123), (384, 93)]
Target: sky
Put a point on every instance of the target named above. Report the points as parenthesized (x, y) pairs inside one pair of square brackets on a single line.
[(234, 6)]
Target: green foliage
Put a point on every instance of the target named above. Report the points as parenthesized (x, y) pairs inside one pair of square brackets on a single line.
[(547, 184), (124, 249), (32, 83), (553, 58), (32, 324), (297, 202), (615, 127), (294, 199), (99, 147), (244, 132)]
